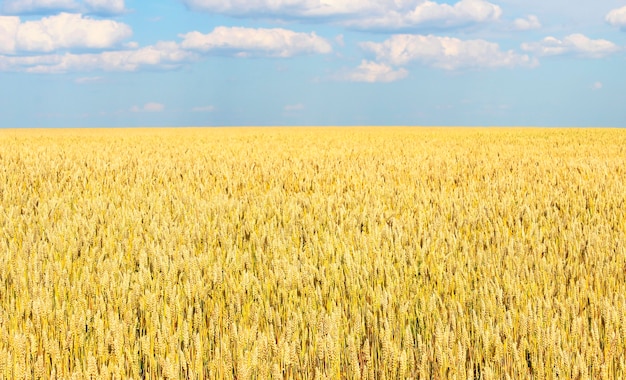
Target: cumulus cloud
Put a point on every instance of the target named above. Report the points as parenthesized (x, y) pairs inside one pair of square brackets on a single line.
[(244, 42), (445, 52), (575, 44), (429, 14), (617, 17), (62, 31), (529, 23), (361, 14), (163, 55), (372, 72), (148, 107), (8, 30), (68, 31)]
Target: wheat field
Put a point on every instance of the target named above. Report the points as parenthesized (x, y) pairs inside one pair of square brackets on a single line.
[(313, 253)]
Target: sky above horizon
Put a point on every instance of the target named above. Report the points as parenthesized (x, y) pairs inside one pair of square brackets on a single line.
[(117, 63)]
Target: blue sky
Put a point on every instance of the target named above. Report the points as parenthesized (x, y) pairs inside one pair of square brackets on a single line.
[(116, 63)]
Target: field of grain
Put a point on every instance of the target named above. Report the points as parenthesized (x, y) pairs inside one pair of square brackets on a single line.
[(313, 253)]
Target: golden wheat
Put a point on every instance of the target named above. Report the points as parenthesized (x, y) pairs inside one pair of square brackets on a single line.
[(313, 253)]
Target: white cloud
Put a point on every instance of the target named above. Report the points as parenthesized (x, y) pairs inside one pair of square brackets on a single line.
[(62, 31), (106, 6), (445, 52), (163, 55), (529, 23), (203, 109), (8, 31), (372, 72), (148, 107), (576, 44), (35, 6), (597, 86), (294, 107), (617, 17), (432, 15), (244, 42), (362, 14)]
